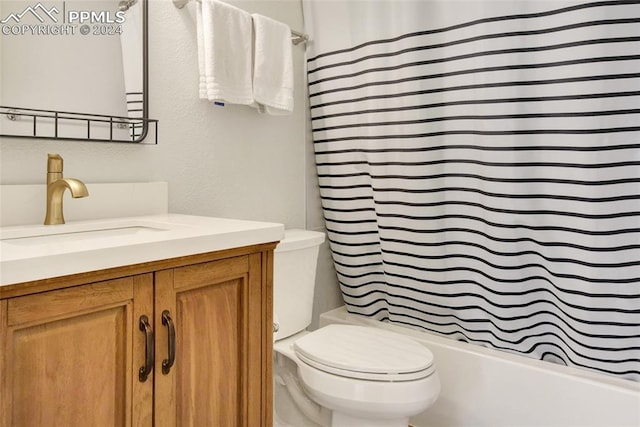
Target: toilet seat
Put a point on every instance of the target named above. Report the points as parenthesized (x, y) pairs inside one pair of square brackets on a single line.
[(365, 353)]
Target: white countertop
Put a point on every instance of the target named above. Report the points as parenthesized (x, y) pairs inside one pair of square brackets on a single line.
[(38, 252)]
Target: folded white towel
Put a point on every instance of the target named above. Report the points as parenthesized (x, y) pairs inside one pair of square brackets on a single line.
[(199, 31), (273, 66), (226, 39)]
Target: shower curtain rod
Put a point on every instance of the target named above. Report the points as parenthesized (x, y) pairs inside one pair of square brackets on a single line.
[(296, 36)]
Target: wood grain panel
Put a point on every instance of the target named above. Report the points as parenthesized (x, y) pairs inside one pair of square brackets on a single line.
[(164, 385), (142, 407), (6, 399), (53, 283), (210, 324), (55, 303), (210, 272), (71, 372), (266, 289)]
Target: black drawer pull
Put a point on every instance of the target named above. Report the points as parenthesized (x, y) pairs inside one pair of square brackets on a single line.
[(168, 322), (145, 370)]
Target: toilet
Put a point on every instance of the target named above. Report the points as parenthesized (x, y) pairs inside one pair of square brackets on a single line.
[(339, 375)]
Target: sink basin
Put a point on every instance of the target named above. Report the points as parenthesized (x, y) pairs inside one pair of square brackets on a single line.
[(29, 253), (74, 236)]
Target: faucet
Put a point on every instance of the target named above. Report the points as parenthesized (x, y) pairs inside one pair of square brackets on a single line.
[(56, 185)]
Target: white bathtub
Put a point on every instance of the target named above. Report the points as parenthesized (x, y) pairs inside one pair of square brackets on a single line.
[(485, 387)]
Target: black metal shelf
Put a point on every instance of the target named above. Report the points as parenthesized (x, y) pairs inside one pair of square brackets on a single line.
[(97, 127)]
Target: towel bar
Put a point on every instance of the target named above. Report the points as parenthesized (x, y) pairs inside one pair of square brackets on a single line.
[(296, 36)]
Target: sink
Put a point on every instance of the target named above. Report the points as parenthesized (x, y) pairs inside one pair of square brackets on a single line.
[(74, 236), (85, 231), (36, 252)]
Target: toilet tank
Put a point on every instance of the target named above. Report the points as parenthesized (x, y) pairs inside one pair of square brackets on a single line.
[(294, 278)]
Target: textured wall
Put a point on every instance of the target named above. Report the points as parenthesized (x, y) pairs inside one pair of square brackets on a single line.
[(227, 161), (230, 162)]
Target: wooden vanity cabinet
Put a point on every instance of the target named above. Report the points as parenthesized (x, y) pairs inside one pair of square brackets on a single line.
[(67, 356), (220, 369), (72, 353)]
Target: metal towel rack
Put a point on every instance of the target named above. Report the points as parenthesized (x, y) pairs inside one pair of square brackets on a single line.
[(296, 36), (65, 125)]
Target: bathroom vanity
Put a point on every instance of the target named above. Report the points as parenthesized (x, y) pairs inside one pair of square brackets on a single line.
[(159, 321)]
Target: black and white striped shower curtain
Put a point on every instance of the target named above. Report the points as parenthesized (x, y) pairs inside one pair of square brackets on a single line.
[(479, 168)]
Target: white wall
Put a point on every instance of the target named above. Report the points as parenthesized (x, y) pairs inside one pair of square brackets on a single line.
[(228, 162)]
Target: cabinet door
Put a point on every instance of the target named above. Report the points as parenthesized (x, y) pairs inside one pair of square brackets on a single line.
[(68, 357), (219, 311)]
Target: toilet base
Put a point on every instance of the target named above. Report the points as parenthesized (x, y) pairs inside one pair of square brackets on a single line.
[(349, 402), (343, 420)]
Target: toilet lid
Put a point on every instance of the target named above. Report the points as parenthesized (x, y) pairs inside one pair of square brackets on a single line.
[(365, 353)]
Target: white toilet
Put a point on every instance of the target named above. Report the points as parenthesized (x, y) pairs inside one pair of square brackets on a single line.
[(339, 375)]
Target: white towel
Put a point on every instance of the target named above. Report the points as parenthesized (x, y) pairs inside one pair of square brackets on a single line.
[(272, 66), (201, 69), (224, 48)]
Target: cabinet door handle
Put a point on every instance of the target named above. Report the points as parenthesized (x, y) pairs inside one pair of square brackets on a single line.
[(168, 322), (145, 370)]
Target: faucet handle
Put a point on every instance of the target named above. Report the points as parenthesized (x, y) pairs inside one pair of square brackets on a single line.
[(54, 163)]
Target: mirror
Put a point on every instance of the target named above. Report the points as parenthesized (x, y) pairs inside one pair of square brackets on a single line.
[(74, 70)]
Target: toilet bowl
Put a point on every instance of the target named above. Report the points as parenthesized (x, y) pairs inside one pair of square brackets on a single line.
[(364, 376), (342, 375)]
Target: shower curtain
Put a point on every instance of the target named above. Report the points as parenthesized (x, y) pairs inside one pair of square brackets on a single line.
[(479, 169)]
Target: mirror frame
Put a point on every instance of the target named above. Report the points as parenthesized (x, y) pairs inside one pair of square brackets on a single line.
[(13, 113), (145, 73)]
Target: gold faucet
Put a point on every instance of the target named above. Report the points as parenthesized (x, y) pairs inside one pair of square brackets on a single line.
[(56, 185)]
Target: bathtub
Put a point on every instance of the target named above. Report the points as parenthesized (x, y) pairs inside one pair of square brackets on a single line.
[(486, 387)]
